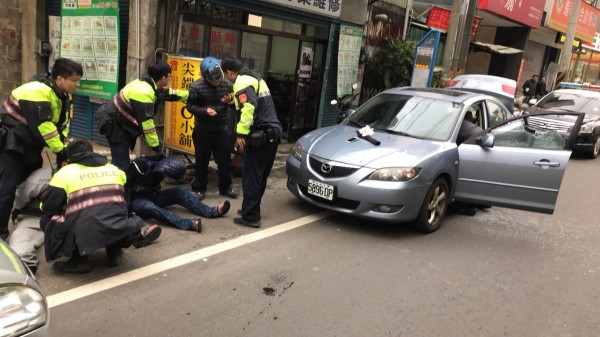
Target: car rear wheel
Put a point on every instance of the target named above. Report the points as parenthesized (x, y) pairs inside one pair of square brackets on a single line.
[(594, 152), (434, 207)]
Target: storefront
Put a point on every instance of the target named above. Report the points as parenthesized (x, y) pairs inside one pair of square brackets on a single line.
[(293, 45), (585, 63)]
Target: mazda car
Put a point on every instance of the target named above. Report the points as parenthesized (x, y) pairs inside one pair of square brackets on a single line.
[(399, 158), (23, 306)]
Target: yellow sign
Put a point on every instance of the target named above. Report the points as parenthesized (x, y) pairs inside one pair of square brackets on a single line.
[(179, 123)]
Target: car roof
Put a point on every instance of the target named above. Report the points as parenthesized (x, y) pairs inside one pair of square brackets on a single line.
[(452, 95), (579, 92), (483, 77)]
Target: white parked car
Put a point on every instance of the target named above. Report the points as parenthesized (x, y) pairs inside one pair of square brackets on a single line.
[(502, 88)]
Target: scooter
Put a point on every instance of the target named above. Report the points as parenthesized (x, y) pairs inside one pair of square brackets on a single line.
[(345, 104)]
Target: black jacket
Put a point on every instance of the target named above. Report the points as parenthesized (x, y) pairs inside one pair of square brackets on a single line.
[(202, 96), (85, 207)]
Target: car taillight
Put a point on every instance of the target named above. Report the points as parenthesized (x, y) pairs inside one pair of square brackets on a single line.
[(452, 83), (508, 89)]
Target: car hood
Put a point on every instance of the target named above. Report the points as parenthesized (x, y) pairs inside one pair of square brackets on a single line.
[(586, 119), (335, 144)]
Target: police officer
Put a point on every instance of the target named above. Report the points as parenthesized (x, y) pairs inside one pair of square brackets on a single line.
[(131, 112), (34, 115), (85, 210), (258, 133), (209, 101)]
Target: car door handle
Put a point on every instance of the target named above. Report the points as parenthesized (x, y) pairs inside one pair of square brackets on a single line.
[(546, 163)]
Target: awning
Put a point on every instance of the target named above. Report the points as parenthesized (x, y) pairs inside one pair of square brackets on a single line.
[(494, 48)]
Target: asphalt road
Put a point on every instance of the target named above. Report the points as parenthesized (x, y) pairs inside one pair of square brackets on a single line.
[(499, 273)]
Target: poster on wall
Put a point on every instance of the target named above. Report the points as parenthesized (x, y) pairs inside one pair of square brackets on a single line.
[(90, 36), (54, 38), (348, 56), (179, 123), (306, 60)]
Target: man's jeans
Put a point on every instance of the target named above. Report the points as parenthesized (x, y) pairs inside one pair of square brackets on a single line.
[(152, 206)]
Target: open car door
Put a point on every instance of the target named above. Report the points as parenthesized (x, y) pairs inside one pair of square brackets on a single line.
[(519, 163)]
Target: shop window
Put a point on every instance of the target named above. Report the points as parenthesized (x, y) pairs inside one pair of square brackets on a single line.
[(316, 31), (275, 24), (593, 69), (223, 42), (254, 51), (191, 39)]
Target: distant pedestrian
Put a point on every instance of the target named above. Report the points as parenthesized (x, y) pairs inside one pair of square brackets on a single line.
[(530, 88), (258, 133), (541, 88)]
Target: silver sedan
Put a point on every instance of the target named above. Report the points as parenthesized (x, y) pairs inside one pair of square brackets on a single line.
[(407, 153)]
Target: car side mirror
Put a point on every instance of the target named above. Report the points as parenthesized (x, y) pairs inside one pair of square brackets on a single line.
[(487, 140)]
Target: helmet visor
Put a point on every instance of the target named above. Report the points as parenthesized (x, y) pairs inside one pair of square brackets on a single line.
[(214, 74)]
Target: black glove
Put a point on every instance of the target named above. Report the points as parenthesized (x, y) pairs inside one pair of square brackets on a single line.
[(14, 215), (157, 153)]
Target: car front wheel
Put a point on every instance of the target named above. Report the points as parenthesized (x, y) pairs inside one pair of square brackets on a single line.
[(434, 207), (595, 150)]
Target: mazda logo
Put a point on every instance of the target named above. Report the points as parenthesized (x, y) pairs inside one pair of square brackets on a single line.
[(325, 168)]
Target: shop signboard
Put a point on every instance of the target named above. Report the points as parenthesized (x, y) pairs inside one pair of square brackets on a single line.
[(587, 19), (179, 122), (527, 12), (90, 36), (306, 60), (348, 55), (439, 18), (595, 45), (331, 8), (425, 55)]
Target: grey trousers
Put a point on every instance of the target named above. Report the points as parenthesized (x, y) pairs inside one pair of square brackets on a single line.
[(27, 238)]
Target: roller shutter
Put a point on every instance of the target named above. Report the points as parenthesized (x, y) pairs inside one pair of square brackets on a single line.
[(533, 57)]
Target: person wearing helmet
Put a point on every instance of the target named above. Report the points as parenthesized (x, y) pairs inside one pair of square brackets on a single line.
[(149, 201), (209, 99)]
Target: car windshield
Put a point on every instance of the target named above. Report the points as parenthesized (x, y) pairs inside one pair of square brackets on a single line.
[(414, 116), (570, 102)]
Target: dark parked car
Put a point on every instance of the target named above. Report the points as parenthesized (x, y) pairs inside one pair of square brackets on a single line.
[(23, 307), (588, 102), (398, 158)]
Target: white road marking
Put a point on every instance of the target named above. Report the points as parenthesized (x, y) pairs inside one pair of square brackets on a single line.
[(178, 261)]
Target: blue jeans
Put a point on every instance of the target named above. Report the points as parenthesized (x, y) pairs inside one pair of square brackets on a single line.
[(152, 206)]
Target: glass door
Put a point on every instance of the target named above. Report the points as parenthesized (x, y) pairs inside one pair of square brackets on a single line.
[(307, 89)]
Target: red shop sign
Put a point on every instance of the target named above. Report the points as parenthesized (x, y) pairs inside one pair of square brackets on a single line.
[(439, 18), (527, 12)]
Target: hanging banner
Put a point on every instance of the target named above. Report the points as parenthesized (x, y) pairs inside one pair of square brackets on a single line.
[(348, 55), (90, 36), (179, 123)]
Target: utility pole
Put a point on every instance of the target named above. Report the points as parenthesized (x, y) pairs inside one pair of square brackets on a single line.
[(451, 50), (567, 48), (466, 36)]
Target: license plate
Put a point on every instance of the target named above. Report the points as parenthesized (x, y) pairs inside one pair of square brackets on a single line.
[(320, 189)]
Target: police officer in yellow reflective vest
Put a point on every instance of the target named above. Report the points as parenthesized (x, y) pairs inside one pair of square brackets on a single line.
[(33, 116), (131, 112), (85, 210), (258, 133)]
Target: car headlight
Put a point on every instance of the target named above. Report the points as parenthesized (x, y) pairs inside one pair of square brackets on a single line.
[(296, 151), (587, 128), (22, 309), (395, 174)]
